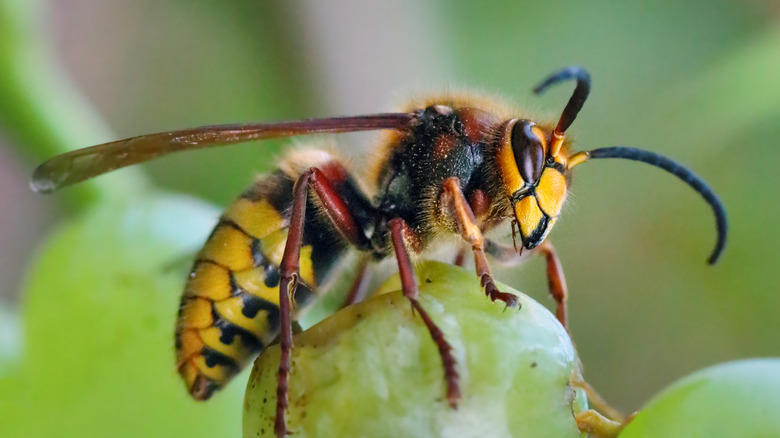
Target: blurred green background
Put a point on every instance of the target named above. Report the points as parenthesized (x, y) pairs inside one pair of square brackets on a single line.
[(695, 80)]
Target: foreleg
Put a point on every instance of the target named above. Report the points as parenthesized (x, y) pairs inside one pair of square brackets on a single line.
[(452, 198)]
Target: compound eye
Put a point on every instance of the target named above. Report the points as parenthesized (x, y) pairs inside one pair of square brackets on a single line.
[(528, 148)]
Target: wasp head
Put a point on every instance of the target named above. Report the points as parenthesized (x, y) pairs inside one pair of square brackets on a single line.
[(535, 171), (535, 179)]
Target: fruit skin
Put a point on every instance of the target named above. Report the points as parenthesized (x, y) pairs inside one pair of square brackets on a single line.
[(735, 399), (373, 370)]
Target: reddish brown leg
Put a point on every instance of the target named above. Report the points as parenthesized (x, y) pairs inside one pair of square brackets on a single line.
[(557, 282), (555, 277), (359, 286), (341, 217), (398, 229), (460, 258), (452, 197)]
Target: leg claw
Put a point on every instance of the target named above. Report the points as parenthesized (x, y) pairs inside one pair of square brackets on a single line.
[(492, 291)]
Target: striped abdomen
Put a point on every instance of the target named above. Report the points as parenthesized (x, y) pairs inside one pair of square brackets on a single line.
[(230, 306)]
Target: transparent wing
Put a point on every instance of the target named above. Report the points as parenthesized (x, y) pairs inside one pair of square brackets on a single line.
[(76, 166)]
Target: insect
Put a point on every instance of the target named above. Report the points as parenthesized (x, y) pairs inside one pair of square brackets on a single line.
[(453, 165)]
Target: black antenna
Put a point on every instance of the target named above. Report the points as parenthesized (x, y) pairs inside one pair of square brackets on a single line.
[(681, 172), (577, 98)]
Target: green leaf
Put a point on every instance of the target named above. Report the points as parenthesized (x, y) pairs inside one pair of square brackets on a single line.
[(736, 399), (99, 318), (373, 370)]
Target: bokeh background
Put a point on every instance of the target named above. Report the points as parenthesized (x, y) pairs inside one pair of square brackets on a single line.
[(695, 80)]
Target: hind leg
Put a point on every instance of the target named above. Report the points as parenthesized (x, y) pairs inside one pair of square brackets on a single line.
[(340, 216)]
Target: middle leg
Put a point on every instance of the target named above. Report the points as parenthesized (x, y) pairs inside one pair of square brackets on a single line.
[(398, 229)]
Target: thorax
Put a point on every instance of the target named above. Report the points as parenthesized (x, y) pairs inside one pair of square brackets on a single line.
[(446, 142)]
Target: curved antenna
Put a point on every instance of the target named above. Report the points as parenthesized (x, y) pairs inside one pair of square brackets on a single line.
[(577, 99), (76, 166), (676, 169)]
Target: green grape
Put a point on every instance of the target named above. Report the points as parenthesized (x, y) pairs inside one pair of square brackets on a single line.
[(736, 399), (372, 369)]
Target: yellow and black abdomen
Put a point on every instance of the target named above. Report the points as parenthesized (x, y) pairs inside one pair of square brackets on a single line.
[(230, 307)]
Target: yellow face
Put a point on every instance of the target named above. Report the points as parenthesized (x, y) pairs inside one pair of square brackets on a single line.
[(535, 180)]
